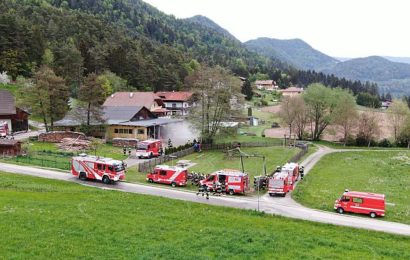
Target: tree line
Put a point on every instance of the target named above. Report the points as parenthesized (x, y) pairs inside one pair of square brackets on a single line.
[(308, 115)]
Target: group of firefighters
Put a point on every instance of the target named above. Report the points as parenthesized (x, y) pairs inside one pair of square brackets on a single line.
[(218, 189)]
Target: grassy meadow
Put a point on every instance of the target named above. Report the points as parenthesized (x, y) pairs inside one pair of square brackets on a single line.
[(386, 172), (48, 219)]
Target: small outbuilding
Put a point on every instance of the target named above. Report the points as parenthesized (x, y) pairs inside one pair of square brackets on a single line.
[(10, 147)]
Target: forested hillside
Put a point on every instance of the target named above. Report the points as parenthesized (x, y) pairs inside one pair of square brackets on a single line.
[(295, 52), (147, 48)]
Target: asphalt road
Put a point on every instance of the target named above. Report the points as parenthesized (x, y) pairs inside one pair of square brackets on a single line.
[(286, 207)]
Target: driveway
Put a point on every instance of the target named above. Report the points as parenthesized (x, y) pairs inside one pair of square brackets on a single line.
[(286, 207)]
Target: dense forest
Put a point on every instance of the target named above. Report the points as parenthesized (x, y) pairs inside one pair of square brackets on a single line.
[(147, 48)]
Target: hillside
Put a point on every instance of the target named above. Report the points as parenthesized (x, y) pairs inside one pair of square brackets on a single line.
[(391, 76), (136, 41), (372, 68), (295, 52), (205, 21)]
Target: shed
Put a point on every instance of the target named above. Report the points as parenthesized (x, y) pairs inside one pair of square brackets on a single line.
[(10, 147)]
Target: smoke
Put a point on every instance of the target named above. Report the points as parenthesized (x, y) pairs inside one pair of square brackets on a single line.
[(179, 133)]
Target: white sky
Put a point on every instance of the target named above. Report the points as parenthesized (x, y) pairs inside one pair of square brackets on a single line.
[(339, 28)]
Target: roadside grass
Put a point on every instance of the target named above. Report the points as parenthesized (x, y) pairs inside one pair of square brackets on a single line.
[(386, 172), (48, 219), (341, 146), (48, 155), (211, 161)]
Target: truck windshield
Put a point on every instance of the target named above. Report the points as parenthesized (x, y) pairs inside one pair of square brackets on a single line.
[(142, 147), (277, 184), (119, 167)]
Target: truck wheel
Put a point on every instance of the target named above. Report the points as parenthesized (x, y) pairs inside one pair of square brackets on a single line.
[(82, 176), (231, 192), (106, 180), (340, 210), (150, 181), (173, 184), (372, 215)]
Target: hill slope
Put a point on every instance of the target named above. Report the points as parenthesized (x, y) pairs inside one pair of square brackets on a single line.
[(391, 76), (295, 52), (205, 21)]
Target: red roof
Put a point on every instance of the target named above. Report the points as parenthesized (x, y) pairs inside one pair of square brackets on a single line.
[(264, 82), (125, 99), (364, 195), (174, 95)]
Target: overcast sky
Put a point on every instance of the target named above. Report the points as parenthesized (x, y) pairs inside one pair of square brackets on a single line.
[(343, 28)]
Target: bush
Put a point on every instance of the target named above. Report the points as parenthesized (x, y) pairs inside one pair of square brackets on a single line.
[(264, 102), (385, 143)]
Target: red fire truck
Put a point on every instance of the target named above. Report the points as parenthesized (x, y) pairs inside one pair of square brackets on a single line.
[(149, 148), (234, 181), (371, 204), (284, 181), (106, 170), (4, 129), (174, 175)]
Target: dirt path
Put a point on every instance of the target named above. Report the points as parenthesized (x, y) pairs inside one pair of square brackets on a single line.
[(278, 206)]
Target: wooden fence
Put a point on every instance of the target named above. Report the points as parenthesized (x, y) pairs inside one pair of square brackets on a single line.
[(150, 164)]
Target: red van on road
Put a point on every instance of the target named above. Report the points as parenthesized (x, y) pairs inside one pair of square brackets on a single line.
[(371, 204)]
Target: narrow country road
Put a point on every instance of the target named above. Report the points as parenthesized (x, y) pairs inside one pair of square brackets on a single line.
[(286, 207)]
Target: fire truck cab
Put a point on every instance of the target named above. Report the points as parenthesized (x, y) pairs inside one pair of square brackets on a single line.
[(106, 170), (234, 181), (149, 148), (4, 129), (174, 175), (371, 204)]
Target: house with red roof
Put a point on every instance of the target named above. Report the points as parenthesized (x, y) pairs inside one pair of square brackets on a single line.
[(137, 99), (266, 85), (176, 102)]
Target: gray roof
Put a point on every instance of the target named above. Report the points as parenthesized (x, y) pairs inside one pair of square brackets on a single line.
[(121, 113), (7, 106), (151, 122)]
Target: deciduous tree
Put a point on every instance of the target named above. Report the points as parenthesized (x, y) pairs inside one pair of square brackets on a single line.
[(398, 112), (345, 113)]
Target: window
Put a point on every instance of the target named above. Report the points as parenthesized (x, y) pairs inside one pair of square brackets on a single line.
[(346, 199), (358, 200), (100, 167), (130, 131), (110, 168), (163, 173), (116, 130), (174, 105), (121, 131), (140, 131)]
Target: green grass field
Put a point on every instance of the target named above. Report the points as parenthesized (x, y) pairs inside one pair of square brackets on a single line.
[(43, 218), (386, 172), (211, 161)]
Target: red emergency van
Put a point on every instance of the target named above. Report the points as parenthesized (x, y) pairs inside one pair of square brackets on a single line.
[(174, 175), (234, 181), (292, 168), (106, 170), (371, 204), (149, 148)]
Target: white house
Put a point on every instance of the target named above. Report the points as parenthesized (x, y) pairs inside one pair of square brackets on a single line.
[(176, 102)]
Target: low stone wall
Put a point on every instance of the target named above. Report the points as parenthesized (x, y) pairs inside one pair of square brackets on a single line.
[(127, 142), (57, 136)]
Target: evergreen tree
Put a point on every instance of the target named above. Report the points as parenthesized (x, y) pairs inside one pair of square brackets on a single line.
[(247, 90)]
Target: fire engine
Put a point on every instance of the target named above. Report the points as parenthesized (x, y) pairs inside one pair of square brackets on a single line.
[(149, 148), (4, 129), (284, 181), (174, 175), (234, 181), (361, 202), (106, 170)]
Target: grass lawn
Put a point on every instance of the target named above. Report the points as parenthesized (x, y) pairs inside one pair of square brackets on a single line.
[(48, 155), (48, 219), (386, 172), (210, 161)]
